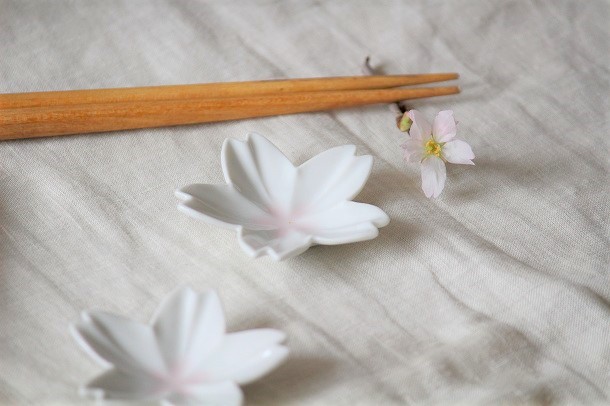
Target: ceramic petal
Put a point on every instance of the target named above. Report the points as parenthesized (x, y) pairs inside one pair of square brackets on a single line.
[(114, 340), (245, 357), (222, 205), (278, 244), (258, 170), (115, 384), (218, 394), (345, 222), (188, 326), (334, 176)]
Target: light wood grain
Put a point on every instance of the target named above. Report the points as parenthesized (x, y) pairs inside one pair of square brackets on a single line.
[(63, 120), (215, 90)]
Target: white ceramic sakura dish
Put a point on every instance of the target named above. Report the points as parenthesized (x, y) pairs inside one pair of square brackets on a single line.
[(183, 357), (281, 210)]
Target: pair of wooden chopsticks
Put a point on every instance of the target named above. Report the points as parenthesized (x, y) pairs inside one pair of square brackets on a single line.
[(40, 114)]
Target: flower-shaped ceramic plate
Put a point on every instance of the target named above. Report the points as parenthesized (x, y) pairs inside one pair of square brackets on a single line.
[(281, 210), (184, 357)]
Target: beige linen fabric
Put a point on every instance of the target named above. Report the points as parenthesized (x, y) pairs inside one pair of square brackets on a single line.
[(497, 292)]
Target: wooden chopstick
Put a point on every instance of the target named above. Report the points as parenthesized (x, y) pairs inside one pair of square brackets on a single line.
[(75, 119), (39, 114), (215, 90)]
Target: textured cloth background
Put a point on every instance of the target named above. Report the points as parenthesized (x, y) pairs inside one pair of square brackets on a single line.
[(498, 292)]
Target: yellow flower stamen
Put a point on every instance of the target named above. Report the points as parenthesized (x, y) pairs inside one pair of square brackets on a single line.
[(433, 148)]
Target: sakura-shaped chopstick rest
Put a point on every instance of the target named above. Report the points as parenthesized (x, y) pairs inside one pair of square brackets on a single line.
[(281, 210), (183, 357)]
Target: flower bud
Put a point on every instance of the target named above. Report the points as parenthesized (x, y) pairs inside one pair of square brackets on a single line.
[(405, 123)]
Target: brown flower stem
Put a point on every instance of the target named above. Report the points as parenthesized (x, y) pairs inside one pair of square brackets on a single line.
[(397, 108)]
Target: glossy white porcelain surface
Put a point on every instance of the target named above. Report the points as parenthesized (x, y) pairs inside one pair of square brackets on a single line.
[(183, 357), (281, 210)]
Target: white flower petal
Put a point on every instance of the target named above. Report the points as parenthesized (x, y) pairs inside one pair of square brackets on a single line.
[(433, 176), (259, 171), (221, 205), (212, 394), (444, 127), (115, 384), (246, 356), (334, 175), (188, 327), (458, 152), (278, 244), (414, 150), (114, 340), (330, 226), (420, 129)]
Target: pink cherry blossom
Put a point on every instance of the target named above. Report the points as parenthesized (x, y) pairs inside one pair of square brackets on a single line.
[(432, 146)]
